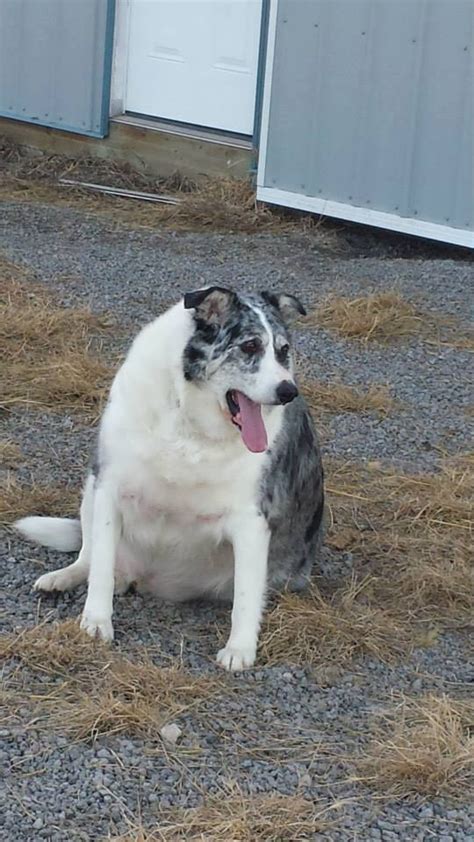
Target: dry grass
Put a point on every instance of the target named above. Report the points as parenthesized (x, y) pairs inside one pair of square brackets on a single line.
[(338, 397), (425, 747), (218, 204), (414, 532), (10, 454), (411, 538), (387, 317), (234, 817), (50, 353), (17, 500), (314, 630), (94, 690), (221, 204)]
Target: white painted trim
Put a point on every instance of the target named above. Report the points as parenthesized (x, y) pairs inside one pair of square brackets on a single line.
[(120, 57), (267, 89), (380, 219)]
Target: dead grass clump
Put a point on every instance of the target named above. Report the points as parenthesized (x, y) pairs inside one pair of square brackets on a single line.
[(222, 204), (95, 690), (338, 397), (382, 317), (413, 532), (10, 454), (17, 500), (426, 747), (50, 353), (387, 317), (69, 381), (234, 817), (312, 629), (411, 541), (55, 649), (219, 204)]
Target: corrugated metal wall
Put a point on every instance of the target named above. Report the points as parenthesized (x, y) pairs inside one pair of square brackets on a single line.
[(55, 60), (371, 105)]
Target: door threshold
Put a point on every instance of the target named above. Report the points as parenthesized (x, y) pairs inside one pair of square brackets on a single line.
[(191, 132)]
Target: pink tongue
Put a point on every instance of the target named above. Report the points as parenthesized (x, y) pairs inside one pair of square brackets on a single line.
[(253, 429)]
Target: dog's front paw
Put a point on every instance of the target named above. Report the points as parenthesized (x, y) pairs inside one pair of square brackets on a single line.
[(100, 627), (57, 580), (236, 658)]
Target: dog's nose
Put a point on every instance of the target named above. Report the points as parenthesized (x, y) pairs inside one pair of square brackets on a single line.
[(286, 391)]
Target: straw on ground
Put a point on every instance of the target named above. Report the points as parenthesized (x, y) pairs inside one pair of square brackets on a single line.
[(87, 689), (52, 355), (232, 816), (423, 747), (388, 317)]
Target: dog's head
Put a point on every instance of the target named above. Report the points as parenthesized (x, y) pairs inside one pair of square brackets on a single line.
[(240, 349)]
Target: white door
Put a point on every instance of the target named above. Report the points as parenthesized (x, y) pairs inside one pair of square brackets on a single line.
[(195, 61)]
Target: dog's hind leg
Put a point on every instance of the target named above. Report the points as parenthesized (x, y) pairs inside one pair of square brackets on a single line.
[(67, 578)]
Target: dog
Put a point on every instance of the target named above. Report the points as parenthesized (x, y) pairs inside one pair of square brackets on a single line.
[(207, 479)]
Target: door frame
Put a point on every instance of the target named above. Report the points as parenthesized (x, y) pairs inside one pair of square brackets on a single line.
[(120, 67), (120, 58)]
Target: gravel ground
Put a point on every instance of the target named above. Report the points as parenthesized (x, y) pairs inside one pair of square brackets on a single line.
[(58, 790)]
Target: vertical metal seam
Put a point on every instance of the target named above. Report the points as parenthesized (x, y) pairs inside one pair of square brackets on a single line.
[(262, 58), (412, 149), (107, 67)]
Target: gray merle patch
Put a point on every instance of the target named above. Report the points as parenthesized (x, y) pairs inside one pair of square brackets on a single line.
[(225, 320)]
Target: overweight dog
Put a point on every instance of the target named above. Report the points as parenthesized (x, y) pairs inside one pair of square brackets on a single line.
[(207, 480)]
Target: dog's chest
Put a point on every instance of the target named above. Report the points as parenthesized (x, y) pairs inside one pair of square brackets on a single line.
[(185, 490)]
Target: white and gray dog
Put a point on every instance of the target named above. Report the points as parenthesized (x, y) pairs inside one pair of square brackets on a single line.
[(207, 480)]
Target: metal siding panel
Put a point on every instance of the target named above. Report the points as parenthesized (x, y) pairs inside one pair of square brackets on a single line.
[(372, 105), (55, 58), (445, 90)]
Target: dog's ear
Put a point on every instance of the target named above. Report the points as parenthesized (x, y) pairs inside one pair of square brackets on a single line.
[(289, 306), (212, 304)]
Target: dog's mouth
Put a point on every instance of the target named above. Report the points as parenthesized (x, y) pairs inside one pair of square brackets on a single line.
[(247, 416)]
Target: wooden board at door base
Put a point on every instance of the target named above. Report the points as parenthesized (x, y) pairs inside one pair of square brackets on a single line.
[(194, 61)]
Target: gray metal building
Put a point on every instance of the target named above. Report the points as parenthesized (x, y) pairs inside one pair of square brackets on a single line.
[(363, 109), (369, 113), (55, 63)]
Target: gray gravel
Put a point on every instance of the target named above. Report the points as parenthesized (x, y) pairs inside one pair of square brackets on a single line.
[(56, 790)]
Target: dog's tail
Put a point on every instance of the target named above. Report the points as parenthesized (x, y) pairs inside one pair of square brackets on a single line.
[(58, 533)]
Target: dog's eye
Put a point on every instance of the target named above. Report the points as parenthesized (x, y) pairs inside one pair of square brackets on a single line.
[(252, 346)]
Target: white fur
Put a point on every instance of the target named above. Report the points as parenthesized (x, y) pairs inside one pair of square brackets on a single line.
[(58, 534), (176, 498)]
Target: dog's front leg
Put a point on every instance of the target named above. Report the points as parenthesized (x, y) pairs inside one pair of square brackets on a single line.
[(250, 537), (97, 614)]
